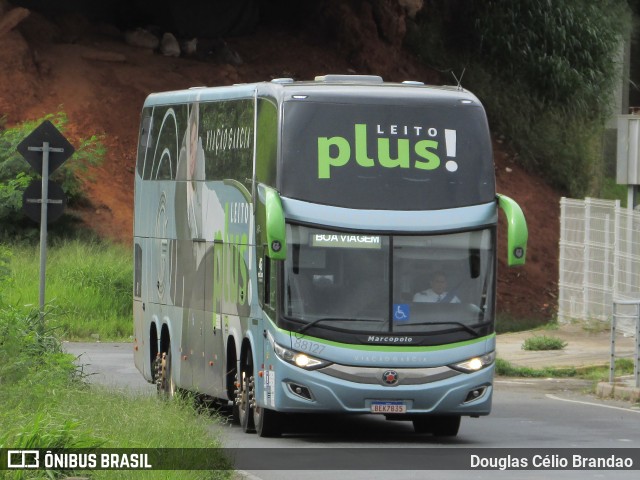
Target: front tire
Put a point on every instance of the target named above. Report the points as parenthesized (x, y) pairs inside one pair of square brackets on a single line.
[(421, 425), (439, 426), (445, 426), (267, 422)]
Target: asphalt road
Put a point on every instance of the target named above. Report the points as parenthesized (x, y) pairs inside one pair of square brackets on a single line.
[(527, 414)]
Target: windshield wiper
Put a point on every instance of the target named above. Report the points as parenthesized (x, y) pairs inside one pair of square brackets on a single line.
[(334, 319), (464, 327)]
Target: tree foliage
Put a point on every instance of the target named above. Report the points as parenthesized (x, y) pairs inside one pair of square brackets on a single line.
[(545, 70), (563, 51), (16, 174)]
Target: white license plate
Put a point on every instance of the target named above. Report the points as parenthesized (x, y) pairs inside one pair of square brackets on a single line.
[(388, 407)]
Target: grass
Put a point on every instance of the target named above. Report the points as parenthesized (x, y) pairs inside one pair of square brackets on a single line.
[(624, 366), (610, 190), (543, 342), (88, 287), (593, 325), (506, 323), (46, 404), (506, 369)]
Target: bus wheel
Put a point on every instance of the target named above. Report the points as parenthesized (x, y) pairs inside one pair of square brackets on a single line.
[(243, 400), (422, 424), (439, 426), (235, 414), (233, 380), (165, 383), (266, 421)]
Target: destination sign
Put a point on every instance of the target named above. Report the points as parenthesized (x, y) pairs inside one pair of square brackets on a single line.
[(345, 240)]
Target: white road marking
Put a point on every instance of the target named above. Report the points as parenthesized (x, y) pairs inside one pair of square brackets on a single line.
[(514, 382), (553, 397)]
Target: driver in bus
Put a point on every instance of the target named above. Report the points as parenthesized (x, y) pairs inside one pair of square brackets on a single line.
[(438, 292)]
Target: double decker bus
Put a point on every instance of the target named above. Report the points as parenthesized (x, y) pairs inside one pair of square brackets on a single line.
[(289, 237)]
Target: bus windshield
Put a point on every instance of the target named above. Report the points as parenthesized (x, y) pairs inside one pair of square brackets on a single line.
[(405, 284)]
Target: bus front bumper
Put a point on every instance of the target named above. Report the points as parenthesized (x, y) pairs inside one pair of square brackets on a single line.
[(291, 389)]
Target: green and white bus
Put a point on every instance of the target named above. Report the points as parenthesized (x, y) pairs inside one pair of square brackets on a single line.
[(287, 234)]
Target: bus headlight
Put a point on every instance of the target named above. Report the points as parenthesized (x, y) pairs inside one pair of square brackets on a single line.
[(476, 363), (298, 359)]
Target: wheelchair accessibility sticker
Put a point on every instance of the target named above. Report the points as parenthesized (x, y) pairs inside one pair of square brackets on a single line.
[(401, 312)]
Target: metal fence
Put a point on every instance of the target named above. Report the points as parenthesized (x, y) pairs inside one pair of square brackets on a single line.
[(615, 319), (599, 259)]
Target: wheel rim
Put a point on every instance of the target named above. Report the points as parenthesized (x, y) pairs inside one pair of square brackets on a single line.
[(165, 382), (169, 383), (242, 396)]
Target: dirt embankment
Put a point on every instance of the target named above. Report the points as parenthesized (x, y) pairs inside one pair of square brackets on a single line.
[(101, 82)]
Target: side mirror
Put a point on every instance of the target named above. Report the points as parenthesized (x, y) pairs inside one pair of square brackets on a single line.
[(517, 232), (274, 229)]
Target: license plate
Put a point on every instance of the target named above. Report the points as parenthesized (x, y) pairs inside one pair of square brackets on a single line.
[(388, 407)]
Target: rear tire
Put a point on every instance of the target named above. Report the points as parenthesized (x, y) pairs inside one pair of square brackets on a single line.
[(233, 384), (235, 414), (243, 400), (165, 382)]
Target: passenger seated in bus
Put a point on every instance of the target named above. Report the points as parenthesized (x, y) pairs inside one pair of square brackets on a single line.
[(438, 292)]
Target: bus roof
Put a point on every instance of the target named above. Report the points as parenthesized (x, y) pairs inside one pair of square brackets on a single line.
[(377, 93), (328, 88), (199, 94)]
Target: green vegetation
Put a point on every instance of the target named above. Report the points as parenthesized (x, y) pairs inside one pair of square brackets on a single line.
[(16, 173), (89, 283), (506, 323), (505, 368), (544, 70), (88, 287), (610, 190), (624, 366), (543, 342), (46, 404)]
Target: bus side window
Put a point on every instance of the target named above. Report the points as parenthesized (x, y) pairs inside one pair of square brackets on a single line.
[(145, 140), (270, 288), (137, 271), (267, 281), (267, 141)]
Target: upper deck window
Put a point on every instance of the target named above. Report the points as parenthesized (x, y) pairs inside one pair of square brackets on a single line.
[(198, 141), (386, 157)]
